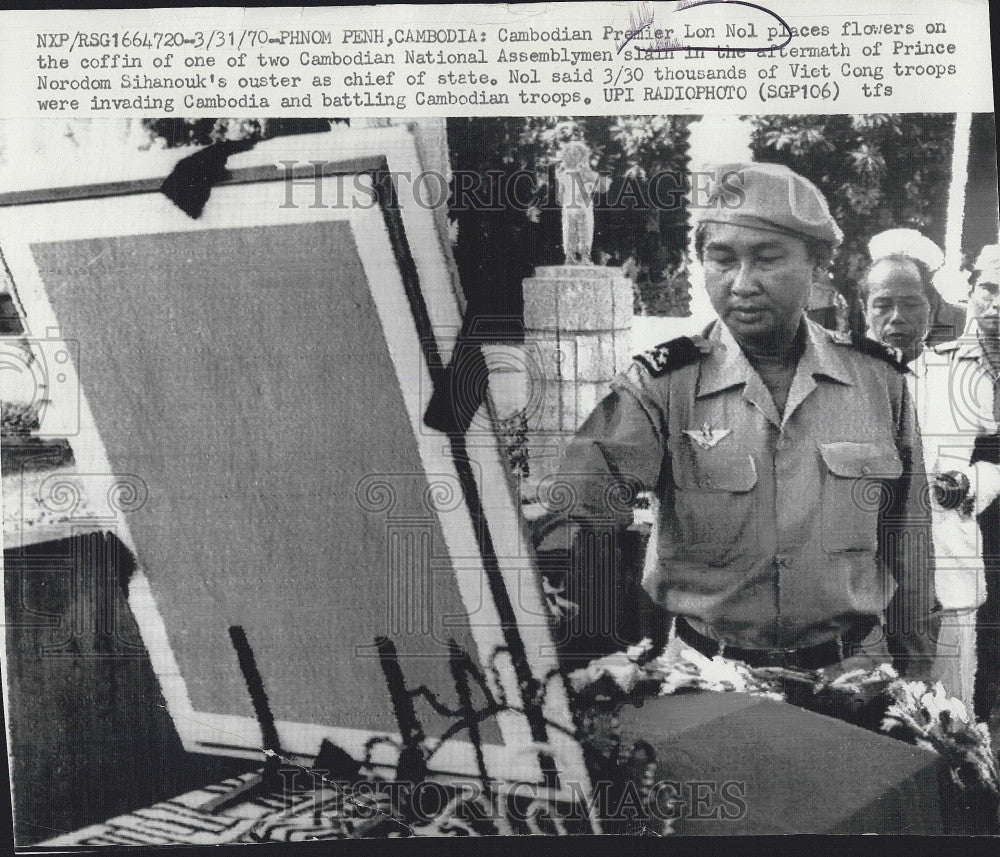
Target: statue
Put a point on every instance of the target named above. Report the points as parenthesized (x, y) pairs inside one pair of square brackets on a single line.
[(577, 185)]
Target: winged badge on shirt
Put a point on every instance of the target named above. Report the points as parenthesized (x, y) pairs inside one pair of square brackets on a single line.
[(706, 437)]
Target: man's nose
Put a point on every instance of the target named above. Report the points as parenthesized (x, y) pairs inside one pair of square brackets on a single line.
[(744, 280), (897, 318)]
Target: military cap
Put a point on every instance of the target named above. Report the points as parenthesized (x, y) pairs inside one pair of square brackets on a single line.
[(908, 243), (766, 196), (988, 264)]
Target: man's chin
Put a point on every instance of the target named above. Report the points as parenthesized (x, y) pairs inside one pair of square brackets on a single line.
[(909, 347), (758, 332)]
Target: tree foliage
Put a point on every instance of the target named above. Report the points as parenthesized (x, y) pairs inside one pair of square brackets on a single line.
[(172, 132), (497, 249), (877, 170)]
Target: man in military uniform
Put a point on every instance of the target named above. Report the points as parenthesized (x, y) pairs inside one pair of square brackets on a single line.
[(790, 526)]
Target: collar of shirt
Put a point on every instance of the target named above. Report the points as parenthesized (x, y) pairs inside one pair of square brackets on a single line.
[(968, 347), (727, 366)]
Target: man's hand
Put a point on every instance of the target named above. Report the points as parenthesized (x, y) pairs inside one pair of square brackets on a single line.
[(951, 489)]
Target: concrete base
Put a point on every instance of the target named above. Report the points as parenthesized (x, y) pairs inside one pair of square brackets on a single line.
[(584, 298), (578, 321)]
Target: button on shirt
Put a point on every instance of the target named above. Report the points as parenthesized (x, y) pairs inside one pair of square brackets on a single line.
[(769, 525)]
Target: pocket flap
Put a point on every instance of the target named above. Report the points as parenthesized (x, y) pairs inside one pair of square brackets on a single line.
[(718, 470), (875, 460)]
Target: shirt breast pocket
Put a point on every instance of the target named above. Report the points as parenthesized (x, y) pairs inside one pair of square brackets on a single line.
[(714, 501), (858, 485)]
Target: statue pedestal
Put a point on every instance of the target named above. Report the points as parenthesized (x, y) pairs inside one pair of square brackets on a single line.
[(578, 321)]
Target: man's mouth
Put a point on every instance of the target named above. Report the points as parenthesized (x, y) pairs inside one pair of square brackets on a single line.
[(747, 313)]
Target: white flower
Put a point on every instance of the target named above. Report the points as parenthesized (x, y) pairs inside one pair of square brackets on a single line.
[(623, 672), (691, 669), (693, 656), (938, 702), (883, 672), (633, 653), (908, 693), (773, 695), (723, 672), (677, 681), (584, 677)]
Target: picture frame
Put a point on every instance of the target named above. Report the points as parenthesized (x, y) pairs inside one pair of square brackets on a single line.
[(264, 212)]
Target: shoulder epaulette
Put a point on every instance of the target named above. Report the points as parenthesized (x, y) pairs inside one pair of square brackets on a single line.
[(892, 356), (674, 354)]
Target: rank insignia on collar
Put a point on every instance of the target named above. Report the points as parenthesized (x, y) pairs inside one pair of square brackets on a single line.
[(674, 354), (656, 360), (706, 437)]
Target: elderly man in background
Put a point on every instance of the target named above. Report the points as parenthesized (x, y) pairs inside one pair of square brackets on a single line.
[(952, 387), (781, 455), (945, 322)]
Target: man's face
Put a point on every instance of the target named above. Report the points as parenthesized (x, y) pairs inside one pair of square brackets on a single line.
[(984, 304), (898, 312), (758, 281)]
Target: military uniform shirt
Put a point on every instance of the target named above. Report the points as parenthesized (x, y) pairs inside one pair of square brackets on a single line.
[(774, 531)]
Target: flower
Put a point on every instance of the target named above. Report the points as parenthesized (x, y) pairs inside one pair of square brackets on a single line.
[(943, 708), (618, 667), (935, 721), (924, 716), (636, 652), (691, 669)]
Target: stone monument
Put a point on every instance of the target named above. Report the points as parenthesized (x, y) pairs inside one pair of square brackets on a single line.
[(577, 185), (577, 327)]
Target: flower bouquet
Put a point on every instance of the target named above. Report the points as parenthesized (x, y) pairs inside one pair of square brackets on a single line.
[(931, 719), (876, 699)]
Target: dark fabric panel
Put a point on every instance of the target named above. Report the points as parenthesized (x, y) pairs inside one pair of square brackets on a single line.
[(244, 375), (90, 733)]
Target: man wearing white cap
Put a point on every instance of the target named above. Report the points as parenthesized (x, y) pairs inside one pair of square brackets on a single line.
[(781, 454), (953, 394), (945, 321)]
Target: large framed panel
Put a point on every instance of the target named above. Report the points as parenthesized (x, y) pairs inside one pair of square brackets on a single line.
[(261, 375)]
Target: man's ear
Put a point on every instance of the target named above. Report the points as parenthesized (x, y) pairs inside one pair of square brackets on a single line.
[(860, 294), (860, 302), (820, 265)]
